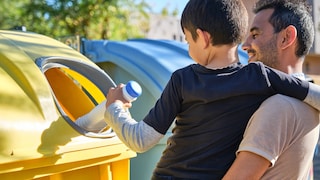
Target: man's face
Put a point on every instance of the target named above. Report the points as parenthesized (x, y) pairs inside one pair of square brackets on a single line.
[(261, 44)]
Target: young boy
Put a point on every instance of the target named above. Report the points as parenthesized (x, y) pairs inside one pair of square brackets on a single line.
[(211, 101)]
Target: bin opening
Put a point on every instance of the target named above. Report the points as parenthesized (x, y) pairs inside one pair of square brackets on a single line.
[(77, 88), (69, 93)]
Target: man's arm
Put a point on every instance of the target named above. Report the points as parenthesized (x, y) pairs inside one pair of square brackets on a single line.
[(247, 166)]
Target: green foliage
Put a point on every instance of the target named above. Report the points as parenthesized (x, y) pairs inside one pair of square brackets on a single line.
[(10, 15), (164, 12), (92, 19), (175, 12)]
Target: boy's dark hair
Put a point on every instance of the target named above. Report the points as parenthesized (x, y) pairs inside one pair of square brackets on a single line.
[(291, 12), (225, 20)]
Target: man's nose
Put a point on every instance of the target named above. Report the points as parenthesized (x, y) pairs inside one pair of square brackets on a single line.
[(246, 45)]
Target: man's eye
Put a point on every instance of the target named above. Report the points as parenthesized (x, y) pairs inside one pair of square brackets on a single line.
[(254, 36)]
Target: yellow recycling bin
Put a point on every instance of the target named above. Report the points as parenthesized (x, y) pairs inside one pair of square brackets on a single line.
[(45, 87)]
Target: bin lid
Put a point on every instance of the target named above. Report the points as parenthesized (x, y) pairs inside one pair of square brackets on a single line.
[(31, 125)]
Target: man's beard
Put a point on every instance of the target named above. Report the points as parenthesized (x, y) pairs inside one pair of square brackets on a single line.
[(269, 53)]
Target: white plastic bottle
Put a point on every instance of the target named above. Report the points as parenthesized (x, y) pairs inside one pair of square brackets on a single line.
[(94, 120), (131, 91)]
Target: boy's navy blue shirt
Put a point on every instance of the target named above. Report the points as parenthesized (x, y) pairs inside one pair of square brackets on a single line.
[(211, 109)]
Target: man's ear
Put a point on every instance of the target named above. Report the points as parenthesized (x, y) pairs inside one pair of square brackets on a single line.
[(288, 36), (204, 37)]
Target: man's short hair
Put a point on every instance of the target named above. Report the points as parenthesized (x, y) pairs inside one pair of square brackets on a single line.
[(291, 12)]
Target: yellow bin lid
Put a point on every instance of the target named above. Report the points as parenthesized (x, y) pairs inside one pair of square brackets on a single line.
[(45, 86)]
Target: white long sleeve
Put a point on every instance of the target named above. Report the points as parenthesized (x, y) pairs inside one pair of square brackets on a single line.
[(313, 96), (138, 136), (94, 120)]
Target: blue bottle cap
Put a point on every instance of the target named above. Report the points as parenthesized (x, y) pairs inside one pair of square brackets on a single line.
[(133, 89)]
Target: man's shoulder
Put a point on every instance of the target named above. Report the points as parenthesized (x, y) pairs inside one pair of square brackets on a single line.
[(283, 102), (280, 97)]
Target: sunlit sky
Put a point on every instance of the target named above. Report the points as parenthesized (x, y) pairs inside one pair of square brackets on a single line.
[(158, 5)]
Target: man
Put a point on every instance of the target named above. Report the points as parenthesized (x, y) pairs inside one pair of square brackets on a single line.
[(281, 136)]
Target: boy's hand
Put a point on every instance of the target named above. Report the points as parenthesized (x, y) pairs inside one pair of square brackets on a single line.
[(115, 95)]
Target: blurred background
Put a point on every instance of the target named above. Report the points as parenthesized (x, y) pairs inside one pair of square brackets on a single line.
[(109, 19), (112, 19)]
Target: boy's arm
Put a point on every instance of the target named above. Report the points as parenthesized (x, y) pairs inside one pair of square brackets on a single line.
[(313, 96), (138, 136), (247, 166), (310, 92)]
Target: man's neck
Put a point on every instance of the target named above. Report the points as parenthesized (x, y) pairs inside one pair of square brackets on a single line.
[(299, 75), (289, 63)]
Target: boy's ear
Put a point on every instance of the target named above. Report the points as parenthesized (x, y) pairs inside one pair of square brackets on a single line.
[(288, 36), (204, 37)]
